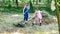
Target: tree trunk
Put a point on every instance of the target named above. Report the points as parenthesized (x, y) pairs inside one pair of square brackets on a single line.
[(57, 13), (36, 2), (33, 1), (17, 3), (3, 2), (13, 1), (9, 4), (49, 3)]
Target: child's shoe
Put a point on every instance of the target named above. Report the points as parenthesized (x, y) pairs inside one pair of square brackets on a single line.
[(32, 24), (40, 24)]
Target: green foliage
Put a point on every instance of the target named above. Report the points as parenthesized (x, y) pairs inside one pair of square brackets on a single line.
[(9, 3), (48, 10), (12, 9), (20, 9)]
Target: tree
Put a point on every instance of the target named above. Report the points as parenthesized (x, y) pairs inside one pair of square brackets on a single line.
[(31, 6), (57, 13), (9, 4), (49, 3), (13, 1), (36, 2), (17, 3)]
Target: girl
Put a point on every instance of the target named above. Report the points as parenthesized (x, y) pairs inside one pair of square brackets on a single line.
[(25, 12), (38, 17)]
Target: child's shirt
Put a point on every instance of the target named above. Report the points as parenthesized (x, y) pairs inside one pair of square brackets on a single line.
[(26, 10), (38, 14)]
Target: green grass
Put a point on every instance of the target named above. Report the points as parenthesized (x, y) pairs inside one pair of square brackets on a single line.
[(7, 20)]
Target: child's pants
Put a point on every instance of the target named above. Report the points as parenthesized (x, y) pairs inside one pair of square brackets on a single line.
[(25, 17)]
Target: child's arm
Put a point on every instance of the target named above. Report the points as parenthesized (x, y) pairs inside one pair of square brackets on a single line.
[(23, 9), (34, 15)]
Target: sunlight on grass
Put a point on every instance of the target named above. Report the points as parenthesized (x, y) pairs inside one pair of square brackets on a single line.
[(26, 33), (40, 33), (53, 31), (15, 15), (17, 33)]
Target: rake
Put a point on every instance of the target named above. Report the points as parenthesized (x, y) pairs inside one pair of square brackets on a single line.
[(22, 24)]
